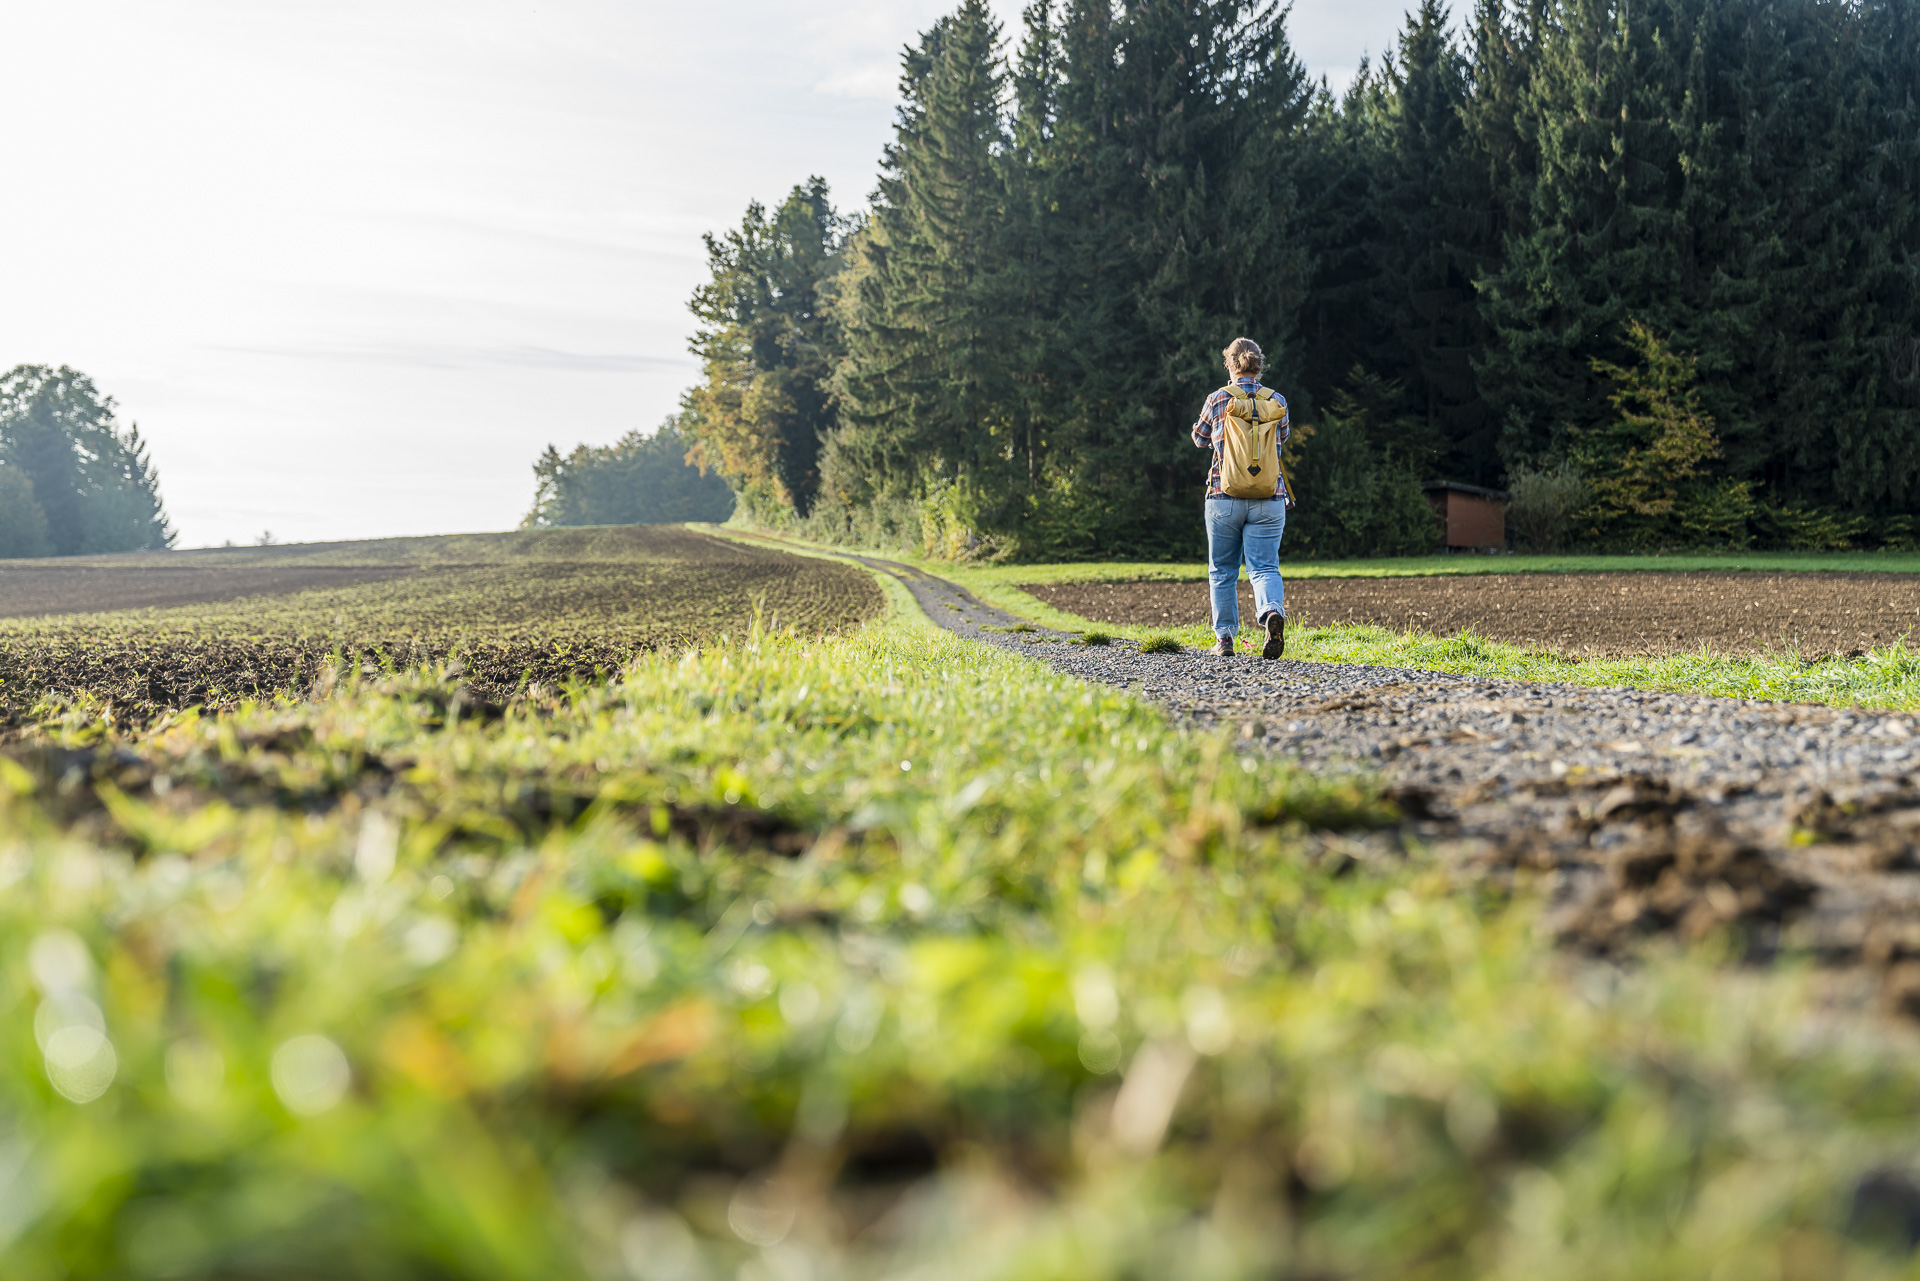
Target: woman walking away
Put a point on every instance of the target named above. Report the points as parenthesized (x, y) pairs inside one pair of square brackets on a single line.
[(1244, 424)]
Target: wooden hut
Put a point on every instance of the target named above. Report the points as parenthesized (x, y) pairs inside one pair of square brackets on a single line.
[(1475, 519)]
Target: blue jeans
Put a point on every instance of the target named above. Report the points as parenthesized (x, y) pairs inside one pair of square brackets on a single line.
[(1245, 529)]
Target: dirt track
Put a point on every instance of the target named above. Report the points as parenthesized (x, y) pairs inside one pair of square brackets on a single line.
[(1585, 614)]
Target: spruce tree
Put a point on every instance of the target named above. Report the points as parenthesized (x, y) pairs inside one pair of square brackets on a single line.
[(1852, 419), (1731, 173), (1171, 173), (1341, 325), (1649, 464), (1405, 220), (121, 509), (1429, 246), (926, 389), (1448, 254), (1504, 53), (1599, 229)]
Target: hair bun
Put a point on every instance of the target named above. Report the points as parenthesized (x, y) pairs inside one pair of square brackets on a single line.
[(1244, 357)]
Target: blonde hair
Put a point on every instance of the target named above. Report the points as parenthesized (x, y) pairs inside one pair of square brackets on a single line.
[(1244, 358)]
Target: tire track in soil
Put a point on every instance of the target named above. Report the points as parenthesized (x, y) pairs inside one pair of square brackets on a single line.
[(1638, 814)]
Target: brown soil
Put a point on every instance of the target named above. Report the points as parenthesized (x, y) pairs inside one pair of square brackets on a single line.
[(1587, 614), (33, 589), (516, 611)]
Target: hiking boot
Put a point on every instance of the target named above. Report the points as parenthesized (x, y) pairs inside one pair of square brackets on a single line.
[(1224, 647), (1276, 636)]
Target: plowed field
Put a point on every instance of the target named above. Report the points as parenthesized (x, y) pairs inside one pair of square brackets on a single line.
[(516, 610), (1583, 614), (43, 588)]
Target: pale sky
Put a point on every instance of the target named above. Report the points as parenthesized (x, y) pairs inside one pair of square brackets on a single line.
[(352, 265)]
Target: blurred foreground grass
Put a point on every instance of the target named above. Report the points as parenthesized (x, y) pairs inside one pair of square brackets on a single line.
[(883, 956)]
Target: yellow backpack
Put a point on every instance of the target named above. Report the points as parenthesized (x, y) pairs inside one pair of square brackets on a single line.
[(1249, 448)]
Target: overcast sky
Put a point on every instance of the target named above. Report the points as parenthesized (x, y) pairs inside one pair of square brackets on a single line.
[(352, 264)]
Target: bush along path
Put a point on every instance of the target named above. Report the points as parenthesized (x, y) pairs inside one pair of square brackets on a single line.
[(1794, 828)]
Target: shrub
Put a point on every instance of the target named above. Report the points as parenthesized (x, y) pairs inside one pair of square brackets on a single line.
[(1894, 534), (1543, 503), (1797, 526), (1649, 471), (1358, 495)]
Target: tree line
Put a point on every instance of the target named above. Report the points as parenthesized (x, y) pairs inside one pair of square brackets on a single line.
[(1654, 265), (640, 479), (72, 480)]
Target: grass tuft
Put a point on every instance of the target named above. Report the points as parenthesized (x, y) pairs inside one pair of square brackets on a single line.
[(1162, 643), (1096, 638)]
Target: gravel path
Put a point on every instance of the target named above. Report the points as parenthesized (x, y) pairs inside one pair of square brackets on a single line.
[(1639, 813)]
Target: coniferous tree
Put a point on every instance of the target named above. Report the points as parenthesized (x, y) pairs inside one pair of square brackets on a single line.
[(1170, 179), (1713, 168), (1340, 325), (1837, 348), (1649, 465), (1403, 226), (1430, 226), (1361, 496), (120, 509), (927, 388), (1598, 228), (1503, 55)]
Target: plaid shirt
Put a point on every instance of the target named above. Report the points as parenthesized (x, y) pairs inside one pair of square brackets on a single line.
[(1208, 427)]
